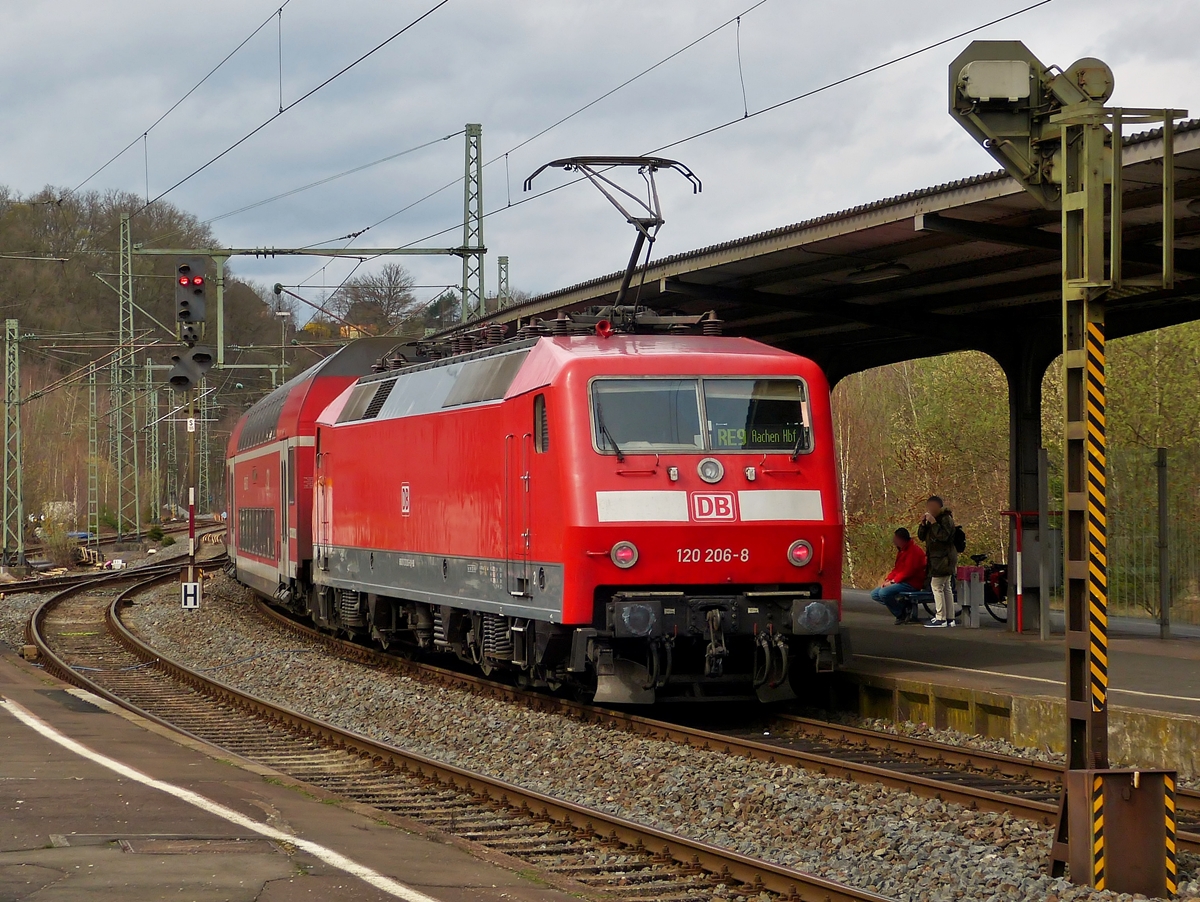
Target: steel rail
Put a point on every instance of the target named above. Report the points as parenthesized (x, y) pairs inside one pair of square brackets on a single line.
[(1010, 765), (753, 873), (982, 759), (928, 787), (50, 583)]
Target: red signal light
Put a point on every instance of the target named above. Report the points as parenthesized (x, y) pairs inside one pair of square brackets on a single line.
[(183, 280), (198, 280)]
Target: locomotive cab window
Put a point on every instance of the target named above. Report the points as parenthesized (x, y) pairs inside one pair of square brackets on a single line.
[(646, 415), (665, 415), (541, 428), (757, 415)]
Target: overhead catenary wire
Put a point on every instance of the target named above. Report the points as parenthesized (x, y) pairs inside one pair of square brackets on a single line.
[(695, 136), (841, 81), (176, 104), (775, 106), (666, 59), (316, 184), (569, 116), (299, 100), (741, 74)]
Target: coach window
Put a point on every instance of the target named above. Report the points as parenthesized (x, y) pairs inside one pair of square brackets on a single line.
[(291, 475), (541, 428)]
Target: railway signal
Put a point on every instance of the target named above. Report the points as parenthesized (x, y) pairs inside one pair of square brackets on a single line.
[(191, 283), (188, 367), (1050, 129)]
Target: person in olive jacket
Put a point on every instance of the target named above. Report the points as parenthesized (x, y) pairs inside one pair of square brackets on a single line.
[(937, 532)]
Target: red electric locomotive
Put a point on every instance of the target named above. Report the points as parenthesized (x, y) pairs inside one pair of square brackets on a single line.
[(639, 516)]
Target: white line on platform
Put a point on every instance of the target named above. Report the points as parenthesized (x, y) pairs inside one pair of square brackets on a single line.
[(995, 673), (1017, 676), (330, 857)]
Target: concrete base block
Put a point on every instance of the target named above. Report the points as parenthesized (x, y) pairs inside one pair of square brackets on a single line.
[(1137, 738)]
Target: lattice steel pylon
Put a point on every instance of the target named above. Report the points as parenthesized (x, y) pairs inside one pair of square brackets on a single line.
[(93, 463), (503, 293), (124, 412), (153, 472), (203, 483), (14, 501), (473, 248), (172, 458)]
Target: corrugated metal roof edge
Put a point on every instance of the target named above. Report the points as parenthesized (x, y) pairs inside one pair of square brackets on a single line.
[(995, 175)]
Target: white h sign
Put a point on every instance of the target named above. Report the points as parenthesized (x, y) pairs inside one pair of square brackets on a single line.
[(189, 596)]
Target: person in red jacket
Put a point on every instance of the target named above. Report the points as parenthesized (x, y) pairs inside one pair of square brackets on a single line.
[(907, 576)]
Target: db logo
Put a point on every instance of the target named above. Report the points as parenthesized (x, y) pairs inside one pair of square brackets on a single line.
[(713, 506)]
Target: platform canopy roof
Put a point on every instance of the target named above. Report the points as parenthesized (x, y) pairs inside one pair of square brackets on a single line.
[(971, 264)]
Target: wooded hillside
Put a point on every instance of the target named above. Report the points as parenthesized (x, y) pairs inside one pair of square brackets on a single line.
[(58, 278)]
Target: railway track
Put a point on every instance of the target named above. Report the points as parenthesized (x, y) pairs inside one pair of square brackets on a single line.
[(52, 583), (81, 639), (977, 779), (872, 742)]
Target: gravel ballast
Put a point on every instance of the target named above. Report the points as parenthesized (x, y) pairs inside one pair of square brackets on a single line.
[(887, 841), (15, 611), (17, 607)]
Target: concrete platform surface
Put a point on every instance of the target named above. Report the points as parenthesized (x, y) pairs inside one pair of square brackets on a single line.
[(1144, 671), (72, 828), (996, 682)]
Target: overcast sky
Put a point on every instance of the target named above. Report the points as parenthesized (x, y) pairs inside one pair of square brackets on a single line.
[(79, 80)]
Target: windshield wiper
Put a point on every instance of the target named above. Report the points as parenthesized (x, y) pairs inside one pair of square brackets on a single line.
[(803, 429), (801, 435), (608, 435)]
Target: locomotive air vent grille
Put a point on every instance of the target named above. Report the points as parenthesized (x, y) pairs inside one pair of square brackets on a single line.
[(381, 395)]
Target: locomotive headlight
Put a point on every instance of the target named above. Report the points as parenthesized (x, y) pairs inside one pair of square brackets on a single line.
[(800, 553), (624, 555), (710, 470)]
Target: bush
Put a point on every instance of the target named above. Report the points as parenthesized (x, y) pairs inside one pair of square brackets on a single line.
[(60, 545), (167, 540), (155, 533)]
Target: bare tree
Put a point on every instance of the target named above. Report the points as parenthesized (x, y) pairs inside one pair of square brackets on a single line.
[(377, 301)]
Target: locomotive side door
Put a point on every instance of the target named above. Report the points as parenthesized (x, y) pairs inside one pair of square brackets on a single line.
[(284, 547), (321, 512), (516, 514)]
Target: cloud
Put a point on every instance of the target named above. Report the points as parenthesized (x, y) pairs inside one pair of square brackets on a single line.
[(84, 79)]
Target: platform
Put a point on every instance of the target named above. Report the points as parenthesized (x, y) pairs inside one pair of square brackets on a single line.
[(998, 683), (73, 828)]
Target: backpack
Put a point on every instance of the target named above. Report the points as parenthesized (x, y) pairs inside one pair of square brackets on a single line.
[(960, 540)]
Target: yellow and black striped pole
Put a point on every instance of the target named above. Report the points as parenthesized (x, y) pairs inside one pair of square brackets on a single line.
[(1084, 504), (1097, 525), (1098, 832), (1172, 866)]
